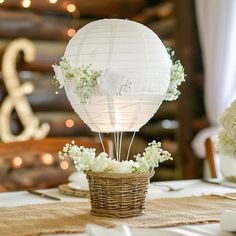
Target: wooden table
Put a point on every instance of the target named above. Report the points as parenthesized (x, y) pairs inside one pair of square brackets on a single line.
[(189, 188)]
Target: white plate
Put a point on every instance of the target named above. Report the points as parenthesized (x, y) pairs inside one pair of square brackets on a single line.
[(76, 186)]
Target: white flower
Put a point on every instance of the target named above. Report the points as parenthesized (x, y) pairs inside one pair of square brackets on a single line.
[(123, 167), (100, 165), (102, 155), (87, 83), (110, 83), (226, 139), (64, 64), (85, 159), (84, 77), (74, 150), (143, 165), (58, 75), (228, 120), (225, 145), (176, 78), (152, 156)]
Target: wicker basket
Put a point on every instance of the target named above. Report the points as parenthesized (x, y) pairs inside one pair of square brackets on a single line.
[(118, 195)]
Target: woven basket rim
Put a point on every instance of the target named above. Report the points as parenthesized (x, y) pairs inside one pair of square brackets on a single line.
[(119, 175)]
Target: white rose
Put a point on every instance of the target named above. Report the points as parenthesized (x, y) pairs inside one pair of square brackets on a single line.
[(109, 83), (102, 155), (124, 167), (113, 165), (100, 165)]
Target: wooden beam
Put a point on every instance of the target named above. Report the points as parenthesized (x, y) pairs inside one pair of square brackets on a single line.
[(47, 53), (42, 6), (164, 28), (28, 24), (101, 8), (159, 11)]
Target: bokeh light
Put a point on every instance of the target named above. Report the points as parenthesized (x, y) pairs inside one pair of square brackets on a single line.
[(69, 123), (71, 8), (47, 159), (26, 3), (64, 165), (17, 162), (53, 1), (71, 32)]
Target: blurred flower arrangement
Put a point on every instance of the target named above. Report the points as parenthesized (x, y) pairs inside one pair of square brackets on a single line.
[(85, 159), (226, 139)]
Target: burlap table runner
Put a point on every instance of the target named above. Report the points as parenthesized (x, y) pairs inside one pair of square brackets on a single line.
[(72, 217)]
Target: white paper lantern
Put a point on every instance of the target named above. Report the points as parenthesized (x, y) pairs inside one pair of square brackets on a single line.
[(131, 51)]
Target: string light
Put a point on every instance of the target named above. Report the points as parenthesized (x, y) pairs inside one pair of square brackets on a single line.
[(2, 1), (47, 159), (53, 1), (26, 3), (17, 162), (71, 8), (71, 32), (64, 165), (69, 123)]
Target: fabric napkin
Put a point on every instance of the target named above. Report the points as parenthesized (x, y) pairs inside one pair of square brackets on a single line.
[(228, 221), (96, 230), (79, 180)]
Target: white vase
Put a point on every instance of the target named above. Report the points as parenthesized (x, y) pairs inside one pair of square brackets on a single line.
[(228, 167)]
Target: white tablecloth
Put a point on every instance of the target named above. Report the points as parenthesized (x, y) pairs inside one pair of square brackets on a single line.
[(189, 188)]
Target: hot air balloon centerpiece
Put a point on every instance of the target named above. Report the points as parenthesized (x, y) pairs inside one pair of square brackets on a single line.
[(116, 73)]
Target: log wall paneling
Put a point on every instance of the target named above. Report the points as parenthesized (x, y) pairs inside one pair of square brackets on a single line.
[(15, 24), (161, 10), (101, 8), (47, 53)]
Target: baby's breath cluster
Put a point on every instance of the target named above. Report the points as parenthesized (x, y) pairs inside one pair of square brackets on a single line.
[(87, 83), (176, 78), (225, 145), (85, 159), (226, 139), (152, 156), (82, 157), (84, 76)]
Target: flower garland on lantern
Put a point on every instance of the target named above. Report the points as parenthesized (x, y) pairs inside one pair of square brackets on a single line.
[(88, 79), (176, 77)]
